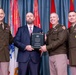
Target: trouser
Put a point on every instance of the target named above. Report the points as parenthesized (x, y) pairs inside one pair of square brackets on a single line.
[(58, 64), (4, 67), (29, 66)]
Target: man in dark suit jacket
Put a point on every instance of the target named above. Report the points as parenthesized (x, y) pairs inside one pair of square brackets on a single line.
[(72, 41), (5, 39), (28, 58)]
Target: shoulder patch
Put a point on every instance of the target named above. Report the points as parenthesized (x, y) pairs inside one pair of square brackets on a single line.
[(63, 27)]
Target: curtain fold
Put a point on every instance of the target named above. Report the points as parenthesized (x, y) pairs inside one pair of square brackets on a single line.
[(0, 3)]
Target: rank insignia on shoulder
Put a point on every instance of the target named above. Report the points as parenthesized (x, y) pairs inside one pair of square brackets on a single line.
[(63, 27)]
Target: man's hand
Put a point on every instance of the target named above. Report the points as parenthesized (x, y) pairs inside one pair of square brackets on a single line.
[(43, 48), (63, 27), (68, 61), (29, 48), (45, 37)]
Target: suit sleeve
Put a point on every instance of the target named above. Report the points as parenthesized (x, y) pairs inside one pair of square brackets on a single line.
[(62, 36), (10, 38), (17, 42), (41, 30)]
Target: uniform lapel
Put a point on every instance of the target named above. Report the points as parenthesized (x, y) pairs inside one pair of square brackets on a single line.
[(56, 27), (74, 29), (5, 26), (71, 29)]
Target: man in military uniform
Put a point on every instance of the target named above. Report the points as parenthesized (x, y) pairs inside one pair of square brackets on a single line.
[(72, 41), (56, 47), (5, 40)]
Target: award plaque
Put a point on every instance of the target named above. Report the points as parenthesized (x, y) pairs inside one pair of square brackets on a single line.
[(37, 40)]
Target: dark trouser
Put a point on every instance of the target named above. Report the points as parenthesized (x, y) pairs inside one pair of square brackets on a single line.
[(29, 66)]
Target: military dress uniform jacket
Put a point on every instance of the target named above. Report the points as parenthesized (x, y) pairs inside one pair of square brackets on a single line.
[(56, 40), (5, 39), (72, 45)]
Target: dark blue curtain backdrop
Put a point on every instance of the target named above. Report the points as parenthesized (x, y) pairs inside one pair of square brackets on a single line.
[(62, 8)]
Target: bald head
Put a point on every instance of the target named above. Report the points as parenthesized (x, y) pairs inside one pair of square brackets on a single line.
[(54, 18), (29, 13), (55, 14), (30, 18)]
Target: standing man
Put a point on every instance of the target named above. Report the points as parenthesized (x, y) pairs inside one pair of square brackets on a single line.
[(72, 41), (5, 40), (28, 58), (56, 47)]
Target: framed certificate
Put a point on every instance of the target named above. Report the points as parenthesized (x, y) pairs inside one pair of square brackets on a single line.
[(37, 40)]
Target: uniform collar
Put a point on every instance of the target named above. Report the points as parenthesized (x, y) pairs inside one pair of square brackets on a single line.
[(2, 24), (56, 26)]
